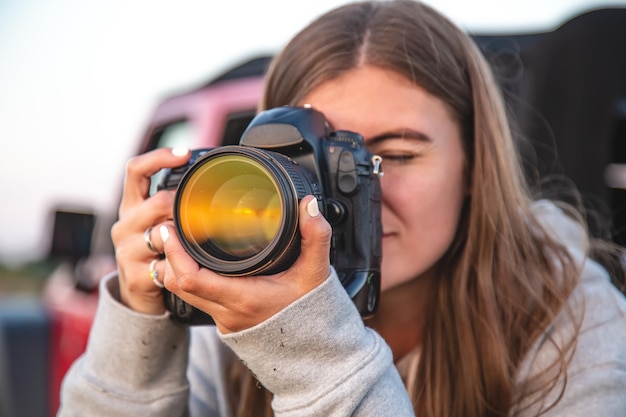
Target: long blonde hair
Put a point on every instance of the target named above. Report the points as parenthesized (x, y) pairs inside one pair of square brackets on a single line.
[(504, 279)]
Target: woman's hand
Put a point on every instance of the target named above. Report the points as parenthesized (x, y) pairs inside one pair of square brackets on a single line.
[(237, 303), (137, 213)]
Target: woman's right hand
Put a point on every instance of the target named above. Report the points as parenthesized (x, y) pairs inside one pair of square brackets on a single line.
[(138, 212)]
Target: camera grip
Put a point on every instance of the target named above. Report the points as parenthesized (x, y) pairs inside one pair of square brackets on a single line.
[(184, 312), (363, 287)]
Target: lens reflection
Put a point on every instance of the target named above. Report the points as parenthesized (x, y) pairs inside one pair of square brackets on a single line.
[(230, 206)]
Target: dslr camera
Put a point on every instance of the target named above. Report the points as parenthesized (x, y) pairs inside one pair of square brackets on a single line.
[(236, 207)]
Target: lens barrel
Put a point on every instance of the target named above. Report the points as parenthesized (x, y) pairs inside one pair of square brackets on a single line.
[(236, 210)]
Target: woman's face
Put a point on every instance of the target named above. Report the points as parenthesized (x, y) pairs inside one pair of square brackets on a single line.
[(424, 182)]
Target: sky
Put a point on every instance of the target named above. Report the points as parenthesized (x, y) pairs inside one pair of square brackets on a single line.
[(79, 79)]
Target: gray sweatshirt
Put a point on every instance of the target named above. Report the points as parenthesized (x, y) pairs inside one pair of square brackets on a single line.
[(318, 359)]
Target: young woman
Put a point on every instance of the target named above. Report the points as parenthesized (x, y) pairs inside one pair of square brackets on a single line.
[(491, 304)]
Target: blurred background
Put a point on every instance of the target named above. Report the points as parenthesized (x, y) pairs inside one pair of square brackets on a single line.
[(80, 83)]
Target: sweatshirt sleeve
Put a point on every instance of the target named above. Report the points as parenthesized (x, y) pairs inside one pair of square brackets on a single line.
[(596, 381), (595, 384), (134, 364), (318, 359)]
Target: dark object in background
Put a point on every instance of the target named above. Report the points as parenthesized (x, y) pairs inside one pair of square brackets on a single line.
[(566, 90), (72, 235)]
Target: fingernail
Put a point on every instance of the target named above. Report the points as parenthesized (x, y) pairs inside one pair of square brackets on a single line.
[(180, 151), (165, 233), (312, 208)]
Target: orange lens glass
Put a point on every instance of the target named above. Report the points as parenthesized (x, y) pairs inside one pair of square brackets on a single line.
[(231, 204)]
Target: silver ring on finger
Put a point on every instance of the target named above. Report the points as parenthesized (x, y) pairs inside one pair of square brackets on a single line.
[(154, 274), (146, 236)]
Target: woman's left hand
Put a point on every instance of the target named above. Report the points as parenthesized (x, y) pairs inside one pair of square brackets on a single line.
[(238, 303)]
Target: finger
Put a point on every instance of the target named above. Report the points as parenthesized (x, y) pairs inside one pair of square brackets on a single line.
[(156, 271), (140, 169), (316, 232), (182, 268), (143, 293), (137, 219), (153, 241), (148, 240)]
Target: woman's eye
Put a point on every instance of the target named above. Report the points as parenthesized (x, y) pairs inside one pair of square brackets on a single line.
[(398, 157)]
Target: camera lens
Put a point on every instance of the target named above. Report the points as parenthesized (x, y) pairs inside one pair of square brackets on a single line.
[(236, 210)]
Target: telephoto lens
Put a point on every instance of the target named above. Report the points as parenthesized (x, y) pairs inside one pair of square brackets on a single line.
[(236, 210)]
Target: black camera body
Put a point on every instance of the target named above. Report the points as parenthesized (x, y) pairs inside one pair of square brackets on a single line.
[(285, 154)]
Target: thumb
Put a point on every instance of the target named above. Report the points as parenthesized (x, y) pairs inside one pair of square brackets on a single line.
[(316, 232)]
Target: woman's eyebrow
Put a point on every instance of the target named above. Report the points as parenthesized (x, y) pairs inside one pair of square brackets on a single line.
[(400, 134)]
